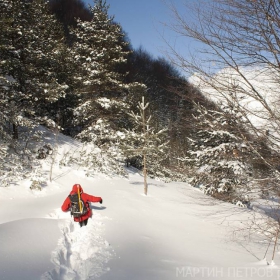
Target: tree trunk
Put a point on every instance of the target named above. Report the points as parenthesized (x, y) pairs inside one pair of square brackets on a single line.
[(15, 131), (145, 175), (275, 243), (145, 143)]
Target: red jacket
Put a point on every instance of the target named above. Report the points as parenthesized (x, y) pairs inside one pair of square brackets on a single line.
[(85, 197)]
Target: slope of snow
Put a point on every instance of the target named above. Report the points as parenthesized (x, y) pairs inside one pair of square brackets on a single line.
[(251, 87), (175, 232)]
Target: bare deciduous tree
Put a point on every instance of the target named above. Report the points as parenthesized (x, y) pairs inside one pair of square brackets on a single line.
[(237, 64)]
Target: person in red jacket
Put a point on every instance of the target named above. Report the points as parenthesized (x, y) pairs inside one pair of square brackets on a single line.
[(66, 206)]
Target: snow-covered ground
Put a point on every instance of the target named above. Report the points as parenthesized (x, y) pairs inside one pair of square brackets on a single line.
[(175, 232)]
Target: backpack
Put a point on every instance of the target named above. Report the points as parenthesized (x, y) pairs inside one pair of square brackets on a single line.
[(76, 212)]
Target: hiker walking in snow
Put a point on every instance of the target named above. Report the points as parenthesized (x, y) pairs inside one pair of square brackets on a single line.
[(78, 203)]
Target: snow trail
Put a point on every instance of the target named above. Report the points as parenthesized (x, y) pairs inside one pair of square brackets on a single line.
[(81, 252)]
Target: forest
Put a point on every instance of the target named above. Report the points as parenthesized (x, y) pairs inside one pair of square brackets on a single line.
[(72, 69)]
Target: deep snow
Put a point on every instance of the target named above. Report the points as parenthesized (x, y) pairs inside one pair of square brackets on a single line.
[(175, 232)]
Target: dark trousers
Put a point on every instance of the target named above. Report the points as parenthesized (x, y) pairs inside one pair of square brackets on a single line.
[(83, 223)]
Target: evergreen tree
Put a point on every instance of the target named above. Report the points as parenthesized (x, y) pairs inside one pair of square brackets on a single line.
[(31, 50), (171, 100), (7, 32), (219, 156), (99, 51), (146, 142), (67, 11)]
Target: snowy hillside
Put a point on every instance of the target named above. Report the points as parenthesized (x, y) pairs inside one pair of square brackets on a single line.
[(175, 232), (253, 89)]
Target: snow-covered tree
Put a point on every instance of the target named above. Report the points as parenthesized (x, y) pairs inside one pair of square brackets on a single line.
[(31, 50), (236, 64), (99, 49), (145, 141), (219, 156)]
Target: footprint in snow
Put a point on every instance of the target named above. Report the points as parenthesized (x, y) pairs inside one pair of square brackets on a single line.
[(81, 252)]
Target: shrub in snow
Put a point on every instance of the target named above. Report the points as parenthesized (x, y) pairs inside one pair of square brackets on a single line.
[(19, 158), (95, 160), (44, 151), (168, 173), (240, 204), (35, 185)]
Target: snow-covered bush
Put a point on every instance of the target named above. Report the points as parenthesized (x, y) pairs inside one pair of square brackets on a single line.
[(94, 160)]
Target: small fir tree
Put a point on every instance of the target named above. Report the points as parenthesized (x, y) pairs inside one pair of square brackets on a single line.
[(144, 141)]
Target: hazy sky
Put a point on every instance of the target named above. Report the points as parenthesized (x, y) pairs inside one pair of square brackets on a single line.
[(142, 21)]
